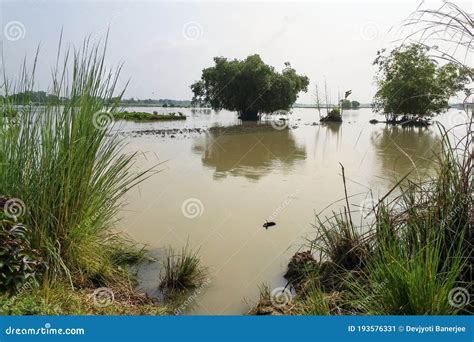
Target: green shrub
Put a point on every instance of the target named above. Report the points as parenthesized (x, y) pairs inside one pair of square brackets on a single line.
[(18, 261)]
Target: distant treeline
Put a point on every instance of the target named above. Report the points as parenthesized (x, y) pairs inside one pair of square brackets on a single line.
[(39, 97), (42, 97), (160, 102), (32, 97)]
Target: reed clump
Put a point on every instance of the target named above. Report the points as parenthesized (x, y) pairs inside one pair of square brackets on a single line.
[(63, 165), (181, 271)]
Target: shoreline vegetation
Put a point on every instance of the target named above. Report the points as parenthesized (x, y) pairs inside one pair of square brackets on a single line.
[(404, 121), (60, 253), (64, 175), (143, 116), (406, 259)]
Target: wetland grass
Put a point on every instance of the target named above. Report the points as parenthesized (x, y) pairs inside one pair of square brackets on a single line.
[(64, 166), (181, 271), (143, 116), (410, 259)]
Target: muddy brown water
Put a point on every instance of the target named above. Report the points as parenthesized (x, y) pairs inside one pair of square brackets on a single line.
[(219, 185)]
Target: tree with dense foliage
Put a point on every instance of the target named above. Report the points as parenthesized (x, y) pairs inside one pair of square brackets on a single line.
[(248, 86), (355, 104), (346, 104), (412, 85)]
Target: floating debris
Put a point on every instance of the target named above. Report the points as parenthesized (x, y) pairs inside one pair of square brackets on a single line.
[(268, 224)]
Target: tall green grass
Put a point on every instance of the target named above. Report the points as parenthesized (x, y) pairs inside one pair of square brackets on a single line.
[(65, 163), (415, 251)]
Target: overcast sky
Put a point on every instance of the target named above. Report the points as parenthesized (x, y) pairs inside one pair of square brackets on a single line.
[(165, 45)]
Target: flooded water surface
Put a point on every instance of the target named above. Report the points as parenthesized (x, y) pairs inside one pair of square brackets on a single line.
[(220, 180)]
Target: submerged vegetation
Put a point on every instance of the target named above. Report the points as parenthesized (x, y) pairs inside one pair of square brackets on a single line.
[(143, 116)]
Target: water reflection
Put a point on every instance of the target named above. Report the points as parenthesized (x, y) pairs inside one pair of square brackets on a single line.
[(400, 148), (250, 150)]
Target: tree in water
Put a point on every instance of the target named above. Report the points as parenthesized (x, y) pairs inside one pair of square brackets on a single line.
[(411, 85), (248, 86)]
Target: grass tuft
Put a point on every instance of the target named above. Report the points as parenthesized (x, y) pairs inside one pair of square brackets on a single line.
[(181, 271)]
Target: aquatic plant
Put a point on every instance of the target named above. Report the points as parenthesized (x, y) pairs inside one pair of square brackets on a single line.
[(143, 116), (333, 116), (181, 271)]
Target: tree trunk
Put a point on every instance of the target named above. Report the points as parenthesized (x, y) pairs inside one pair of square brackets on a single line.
[(249, 115)]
